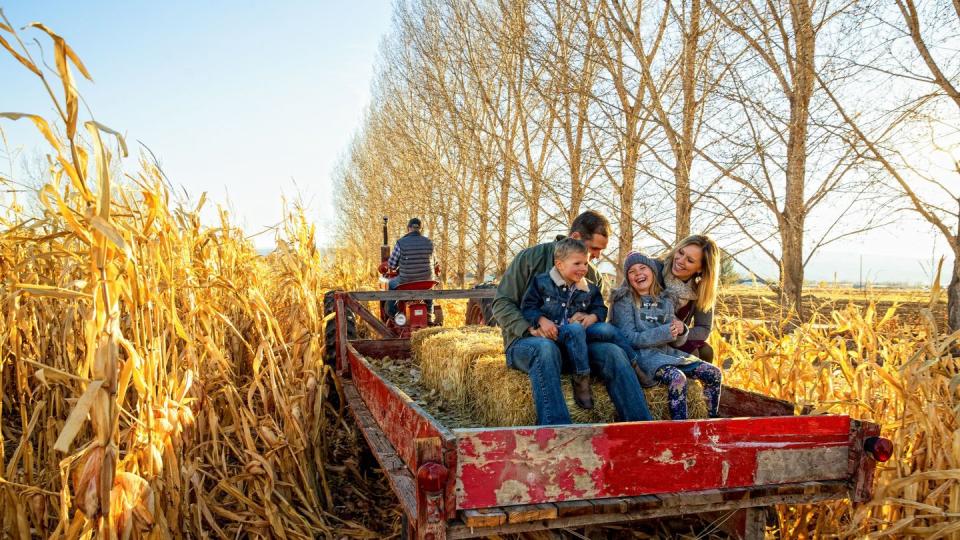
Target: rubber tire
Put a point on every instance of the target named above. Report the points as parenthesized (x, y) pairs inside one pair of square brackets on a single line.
[(330, 329), (480, 310)]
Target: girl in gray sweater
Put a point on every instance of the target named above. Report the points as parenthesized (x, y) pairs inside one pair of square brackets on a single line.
[(646, 318)]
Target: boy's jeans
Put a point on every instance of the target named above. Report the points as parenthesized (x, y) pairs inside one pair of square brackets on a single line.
[(540, 358), (572, 340)]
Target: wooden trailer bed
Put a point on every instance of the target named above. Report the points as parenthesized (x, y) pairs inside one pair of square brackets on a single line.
[(463, 483)]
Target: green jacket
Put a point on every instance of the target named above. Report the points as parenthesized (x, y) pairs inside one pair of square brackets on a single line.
[(527, 264)]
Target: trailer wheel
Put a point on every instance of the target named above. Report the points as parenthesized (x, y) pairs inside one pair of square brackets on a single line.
[(330, 329), (480, 310)]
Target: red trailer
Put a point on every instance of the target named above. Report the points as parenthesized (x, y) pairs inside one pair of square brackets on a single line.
[(466, 483)]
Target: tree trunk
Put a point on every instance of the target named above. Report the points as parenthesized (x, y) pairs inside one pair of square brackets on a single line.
[(445, 242), (791, 270), (533, 230), (504, 205), (794, 212), (483, 235), (628, 189), (576, 189), (684, 154), (462, 238)]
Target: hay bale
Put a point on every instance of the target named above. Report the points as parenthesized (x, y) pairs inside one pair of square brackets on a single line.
[(466, 366), (500, 396), (446, 358), (417, 338)]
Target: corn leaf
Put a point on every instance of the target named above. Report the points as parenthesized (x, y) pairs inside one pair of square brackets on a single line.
[(55, 292), (26, 63), (77, 417)]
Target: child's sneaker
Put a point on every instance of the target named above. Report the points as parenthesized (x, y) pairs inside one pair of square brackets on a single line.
[(582, 393)]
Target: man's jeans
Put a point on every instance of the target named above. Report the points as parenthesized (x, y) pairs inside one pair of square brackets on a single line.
[(572, 338), (602, 332), (540, 358), (390, 306)]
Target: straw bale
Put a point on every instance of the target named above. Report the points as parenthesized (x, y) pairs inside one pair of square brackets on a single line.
[(417, 338), (446, 358), (501, 396)]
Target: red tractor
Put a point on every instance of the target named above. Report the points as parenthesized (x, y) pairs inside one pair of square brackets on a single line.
[(411, 311)]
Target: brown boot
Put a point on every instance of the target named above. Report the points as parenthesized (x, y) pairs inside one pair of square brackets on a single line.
[(582, 394), (646, 381)]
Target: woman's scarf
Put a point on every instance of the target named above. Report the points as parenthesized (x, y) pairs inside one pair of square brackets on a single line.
[(678, 291)]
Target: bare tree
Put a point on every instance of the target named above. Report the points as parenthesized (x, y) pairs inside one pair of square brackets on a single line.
[(781, 129), (922, 123)]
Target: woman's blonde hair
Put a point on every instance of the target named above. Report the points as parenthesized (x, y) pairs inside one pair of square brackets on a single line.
[(707, 282)]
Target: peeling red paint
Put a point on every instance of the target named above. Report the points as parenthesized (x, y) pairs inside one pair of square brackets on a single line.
[(544, 436), (521, 466)]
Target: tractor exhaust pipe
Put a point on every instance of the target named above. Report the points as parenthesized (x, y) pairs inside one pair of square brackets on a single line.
[(385, 247)]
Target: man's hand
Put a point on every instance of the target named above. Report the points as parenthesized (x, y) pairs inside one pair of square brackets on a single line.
[(584, 319), (547, 328), (677, 327)]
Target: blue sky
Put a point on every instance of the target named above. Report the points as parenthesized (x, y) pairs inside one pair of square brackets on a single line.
[(251, 101), (238, 99)]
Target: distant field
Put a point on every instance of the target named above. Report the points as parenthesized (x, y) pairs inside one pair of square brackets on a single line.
[(761, 303)]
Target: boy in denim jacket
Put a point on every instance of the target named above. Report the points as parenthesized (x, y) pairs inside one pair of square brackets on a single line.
[(556, 304)]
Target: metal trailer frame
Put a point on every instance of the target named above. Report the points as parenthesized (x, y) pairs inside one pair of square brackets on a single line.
[(466, 483)]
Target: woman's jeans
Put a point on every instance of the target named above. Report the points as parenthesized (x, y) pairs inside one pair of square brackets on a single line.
[(541, 360), (572, 338)]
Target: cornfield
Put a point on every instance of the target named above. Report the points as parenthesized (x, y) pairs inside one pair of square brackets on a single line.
[(197, 361), (161, 379)]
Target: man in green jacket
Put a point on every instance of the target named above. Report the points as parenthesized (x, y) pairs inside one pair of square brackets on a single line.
[(531, 350)]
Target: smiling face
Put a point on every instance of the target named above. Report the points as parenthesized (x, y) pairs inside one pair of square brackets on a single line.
[(640, 277), (573, 267), (687, 262)]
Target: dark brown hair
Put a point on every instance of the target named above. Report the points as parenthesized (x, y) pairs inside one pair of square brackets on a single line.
[(590, 223)]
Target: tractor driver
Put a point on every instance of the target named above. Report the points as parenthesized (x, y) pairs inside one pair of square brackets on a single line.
[(411, 259)]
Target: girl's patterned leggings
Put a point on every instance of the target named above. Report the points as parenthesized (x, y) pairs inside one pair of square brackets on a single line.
[(675, 377)]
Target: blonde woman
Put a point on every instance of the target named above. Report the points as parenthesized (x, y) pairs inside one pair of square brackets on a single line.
[(690, 278)]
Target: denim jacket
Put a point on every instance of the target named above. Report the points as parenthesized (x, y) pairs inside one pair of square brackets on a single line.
[(549, 296), (646, 324)]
